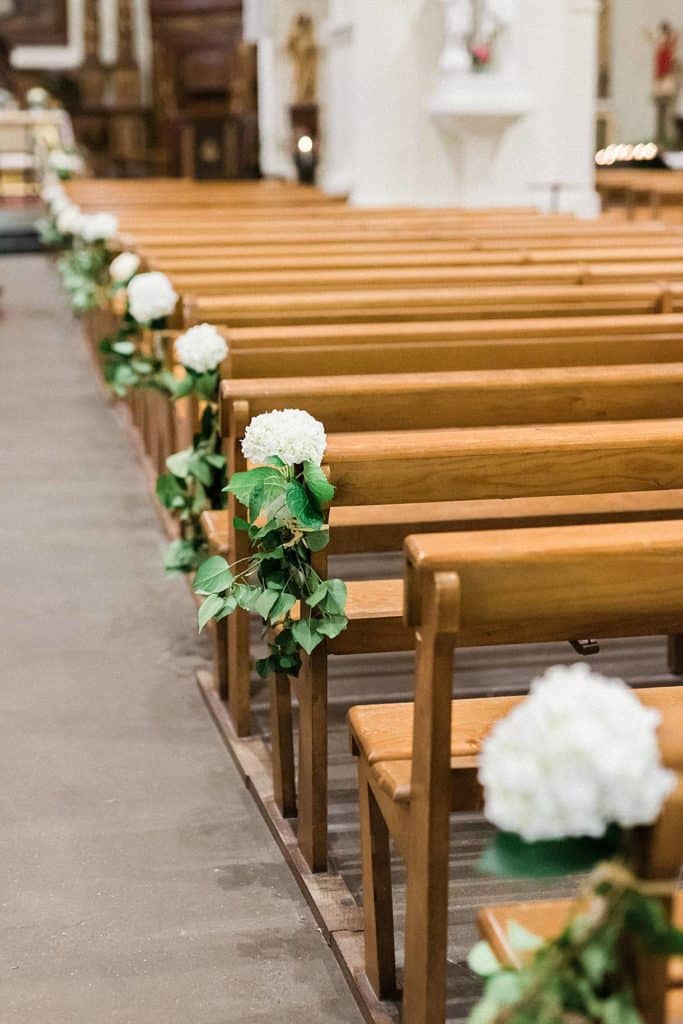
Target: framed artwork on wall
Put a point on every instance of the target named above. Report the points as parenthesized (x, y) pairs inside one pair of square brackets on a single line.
[(34, 22)]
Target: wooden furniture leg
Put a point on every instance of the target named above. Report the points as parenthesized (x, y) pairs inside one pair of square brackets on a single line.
[(282, 753), (312, 788), (238, 683), (378, 911), (220, 658)]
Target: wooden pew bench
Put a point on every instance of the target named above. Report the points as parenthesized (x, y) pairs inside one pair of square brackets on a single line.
[(426, 476), (418, 762), (339, 307)]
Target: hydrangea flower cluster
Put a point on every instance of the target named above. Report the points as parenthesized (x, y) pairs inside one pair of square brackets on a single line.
[(98, 227), (70, 220), (151, 297), (123, 267), (37, 98), (578, 755), (289, 434), (201, 348), (64, 163)]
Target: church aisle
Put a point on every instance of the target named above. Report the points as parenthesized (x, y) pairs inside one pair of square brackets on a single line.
[(138, 881)]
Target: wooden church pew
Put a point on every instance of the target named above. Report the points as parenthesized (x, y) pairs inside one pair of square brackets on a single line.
[(339, 307), (426, 476), (417, 762)]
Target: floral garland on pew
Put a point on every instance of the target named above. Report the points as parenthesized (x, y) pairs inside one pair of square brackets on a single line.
[(284, 494), (140, 301), (83, 240), (568, 775), (195, 480)]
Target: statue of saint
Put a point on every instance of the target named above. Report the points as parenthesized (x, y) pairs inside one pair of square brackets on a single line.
[(304, 53), (664, 85)]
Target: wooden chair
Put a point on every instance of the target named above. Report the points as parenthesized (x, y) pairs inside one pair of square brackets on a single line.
[(417, 762), (659, 986)]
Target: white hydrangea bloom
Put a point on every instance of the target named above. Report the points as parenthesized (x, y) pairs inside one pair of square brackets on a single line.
[(51, 191), (202, 348), (37, 97), (290, 434), (124, 266), (150, 297), (579, 754), (65, 163), (69, 220), (98, 227)]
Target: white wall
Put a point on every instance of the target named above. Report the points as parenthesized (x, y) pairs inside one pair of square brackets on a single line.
[(633, 60)]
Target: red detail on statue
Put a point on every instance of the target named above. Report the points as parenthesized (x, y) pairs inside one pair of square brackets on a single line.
[(665, 57)]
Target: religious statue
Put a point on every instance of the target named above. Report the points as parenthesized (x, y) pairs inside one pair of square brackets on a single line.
[(302, 49), (492, 18), (664, 85)]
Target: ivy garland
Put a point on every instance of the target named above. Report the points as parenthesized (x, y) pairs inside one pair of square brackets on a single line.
[(581, 976), (84, 275), (195, 479), (286, 522), (126, 367)]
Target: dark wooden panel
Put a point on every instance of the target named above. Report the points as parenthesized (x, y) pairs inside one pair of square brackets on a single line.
[(164, 8), (35, 23)]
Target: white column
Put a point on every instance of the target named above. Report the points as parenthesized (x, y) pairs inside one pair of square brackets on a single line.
[(338, 104), (400, 157), (578, 160)]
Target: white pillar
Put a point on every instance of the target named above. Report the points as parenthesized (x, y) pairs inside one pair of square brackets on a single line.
[(337, 107), (400, 157)]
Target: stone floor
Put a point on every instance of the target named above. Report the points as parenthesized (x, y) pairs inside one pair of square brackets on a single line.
[(137, 882)]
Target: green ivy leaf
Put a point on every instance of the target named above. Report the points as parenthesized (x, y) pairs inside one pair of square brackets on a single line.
[(229, 606), (317, 483), (213, 576), (208, 609), (306, 635), (335, 601), (482, 960), (182, 387), (179, 463), (265, 602), (509, 855), (242, 485), (240, 524), (317, 539), (123, 348), (301, 506), (181, 556), (169, 491), (332, 626), (521, 939), (199, 469), (283, 605)]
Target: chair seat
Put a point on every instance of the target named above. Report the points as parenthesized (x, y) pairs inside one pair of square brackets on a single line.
[(547, 918), (383, 735)]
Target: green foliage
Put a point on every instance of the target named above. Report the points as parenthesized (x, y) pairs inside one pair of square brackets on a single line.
[(50, 235), (285, 524), (581, 976), (194, 482), (84, 275), (509, 855)]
